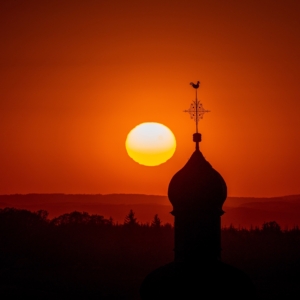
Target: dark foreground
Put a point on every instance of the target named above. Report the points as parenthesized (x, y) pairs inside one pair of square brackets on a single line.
[(84, 256)]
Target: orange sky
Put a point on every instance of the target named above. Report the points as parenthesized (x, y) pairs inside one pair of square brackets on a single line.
[(77, 76)]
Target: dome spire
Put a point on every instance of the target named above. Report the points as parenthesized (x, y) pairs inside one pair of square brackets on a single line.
[(197, 193), (196, 112)]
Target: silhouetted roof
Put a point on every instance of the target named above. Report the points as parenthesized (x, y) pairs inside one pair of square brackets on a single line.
[(197, 186), (210, 280)]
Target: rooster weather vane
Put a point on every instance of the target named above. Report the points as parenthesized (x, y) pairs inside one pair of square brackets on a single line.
[(196, 109)]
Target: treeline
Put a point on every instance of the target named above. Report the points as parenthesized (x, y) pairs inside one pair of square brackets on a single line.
[(84, 240), (12, 217), (78, 238), (73, 233), (109, 258)]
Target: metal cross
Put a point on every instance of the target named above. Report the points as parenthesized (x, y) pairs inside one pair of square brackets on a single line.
[(196, 109)]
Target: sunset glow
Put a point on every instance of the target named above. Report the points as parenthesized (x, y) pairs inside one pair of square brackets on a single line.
[(150, 144), (111, 166), (78, 76)]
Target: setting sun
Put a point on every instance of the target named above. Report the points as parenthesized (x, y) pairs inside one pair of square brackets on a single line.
[(150, 144)]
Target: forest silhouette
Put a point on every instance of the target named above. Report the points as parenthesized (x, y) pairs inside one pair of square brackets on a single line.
[(87, 256), (239, 211)]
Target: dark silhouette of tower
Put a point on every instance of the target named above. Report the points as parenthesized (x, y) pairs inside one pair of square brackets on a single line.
[(197, 193)]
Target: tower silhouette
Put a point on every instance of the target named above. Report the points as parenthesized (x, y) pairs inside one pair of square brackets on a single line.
[(197, 193)]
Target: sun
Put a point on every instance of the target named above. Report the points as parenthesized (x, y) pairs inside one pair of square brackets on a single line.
[(150, 144)]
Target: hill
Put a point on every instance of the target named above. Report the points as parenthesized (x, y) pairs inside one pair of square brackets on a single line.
[(239, 211)]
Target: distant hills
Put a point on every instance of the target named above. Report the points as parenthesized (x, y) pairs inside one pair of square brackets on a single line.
[(239, 211)]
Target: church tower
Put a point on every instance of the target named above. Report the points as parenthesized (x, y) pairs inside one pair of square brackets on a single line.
[(197, 193)]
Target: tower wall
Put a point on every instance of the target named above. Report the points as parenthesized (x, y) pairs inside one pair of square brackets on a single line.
[(197, 236)]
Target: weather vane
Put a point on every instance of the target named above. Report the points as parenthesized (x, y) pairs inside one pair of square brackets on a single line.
[(196, 109)]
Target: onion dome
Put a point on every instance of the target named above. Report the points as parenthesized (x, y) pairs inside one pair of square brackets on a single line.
[(197, 186)]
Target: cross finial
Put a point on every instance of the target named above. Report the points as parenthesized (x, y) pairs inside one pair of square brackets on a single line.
[(196, 112)]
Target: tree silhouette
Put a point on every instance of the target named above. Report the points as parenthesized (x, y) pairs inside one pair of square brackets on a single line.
[(74, 217), (130, 220), (271, 227), (81, 218), (156, 222)]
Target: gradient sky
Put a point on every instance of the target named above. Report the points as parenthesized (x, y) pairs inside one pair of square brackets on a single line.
[(77, 76)]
